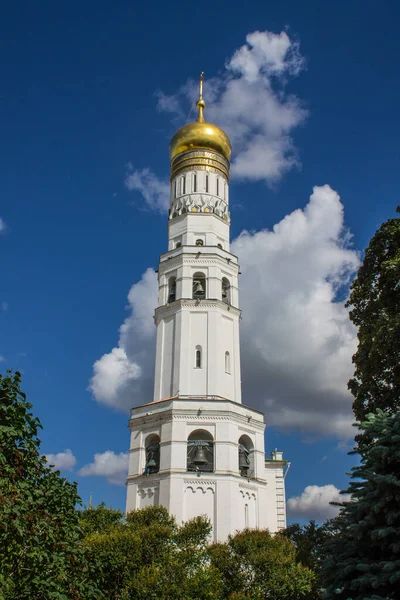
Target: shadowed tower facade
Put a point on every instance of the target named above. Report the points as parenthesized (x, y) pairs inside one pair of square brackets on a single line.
[(196, 449)]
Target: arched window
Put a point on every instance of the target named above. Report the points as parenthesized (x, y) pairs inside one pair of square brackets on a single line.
[(246, 456), (227, 362), (198, 358), (226, 290), (207, 183), (171, 289), (200, 451), (178, 245), (199, 286), (199, 242), (194, 182), (152, 447), (220, 246)]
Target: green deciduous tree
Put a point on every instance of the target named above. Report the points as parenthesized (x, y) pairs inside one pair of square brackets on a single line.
[(309, 541), (149, 556), (254, 564), (364, 558), (375, 310), (41, 551)]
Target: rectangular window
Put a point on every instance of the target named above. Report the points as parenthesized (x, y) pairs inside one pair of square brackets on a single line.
[(217, 186), (183, 190), (195, 182), (207, 183)]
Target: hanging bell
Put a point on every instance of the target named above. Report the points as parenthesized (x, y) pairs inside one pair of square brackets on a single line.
[(243, 460), (151, 463), (199, 457), (198, 289)]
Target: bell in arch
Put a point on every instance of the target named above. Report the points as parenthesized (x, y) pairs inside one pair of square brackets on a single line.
[(198, 289), (244, 462), (151, 463), (199, 457)]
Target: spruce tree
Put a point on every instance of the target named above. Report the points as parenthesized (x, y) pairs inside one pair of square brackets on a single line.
[(364, 558)]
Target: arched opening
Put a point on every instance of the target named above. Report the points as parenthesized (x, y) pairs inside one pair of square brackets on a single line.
[(183, 185), (152, 447), (246, 456), (178, 244), (171, 289), (220, 246), (200, 451), (199, 242), (207, 186), (226, 290), (199, 286), (194, 182), (198, 358), (227, 362)]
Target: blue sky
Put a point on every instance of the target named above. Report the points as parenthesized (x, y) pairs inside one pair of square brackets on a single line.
[(79, 96)]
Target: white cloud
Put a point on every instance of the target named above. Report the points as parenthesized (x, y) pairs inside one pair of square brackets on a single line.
[(296, 337), (249, 101), (4, 306), (2, 358), (154, 191), (3, 226), (63, 461), (124, 377), (110, 465), (297, 340), (314, 501)]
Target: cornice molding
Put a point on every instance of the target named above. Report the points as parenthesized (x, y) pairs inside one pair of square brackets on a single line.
[(198, 305), (198, 482)]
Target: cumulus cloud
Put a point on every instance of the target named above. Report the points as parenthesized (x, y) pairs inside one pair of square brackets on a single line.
[(313, 502), (62, 461), (110, 465), (249, 101), (154, 191), (3, 226), (297, 340), (124, 377), (296, 337)]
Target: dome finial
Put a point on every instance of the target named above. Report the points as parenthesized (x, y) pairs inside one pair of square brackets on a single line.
[(200, 102)]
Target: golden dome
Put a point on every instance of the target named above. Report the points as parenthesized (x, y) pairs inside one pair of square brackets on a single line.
[(200, 135)]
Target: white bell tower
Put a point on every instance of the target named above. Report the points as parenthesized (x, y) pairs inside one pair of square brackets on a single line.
[(196, 449)]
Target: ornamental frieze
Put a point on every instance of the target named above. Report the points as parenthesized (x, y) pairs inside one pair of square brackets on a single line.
[(199, 203)]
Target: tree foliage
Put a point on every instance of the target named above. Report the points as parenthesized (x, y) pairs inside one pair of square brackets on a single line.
[(364, 558), (149, 556), (256, 565), (309, 541), (375, 310), (41, 551)]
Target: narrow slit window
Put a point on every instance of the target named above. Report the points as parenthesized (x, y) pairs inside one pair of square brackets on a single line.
[(175, 186), (217, 186), (207, 183), (183, 185), (195, 182), (227, 362), (198, 357)]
